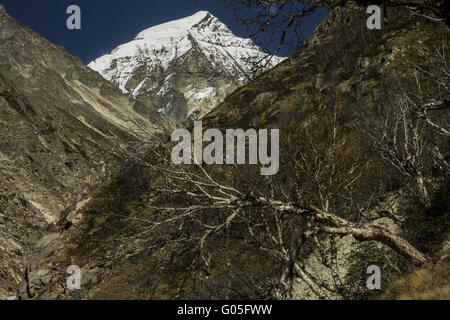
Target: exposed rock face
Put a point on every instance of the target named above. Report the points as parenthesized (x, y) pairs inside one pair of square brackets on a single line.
[(63, 130), (187, 67)]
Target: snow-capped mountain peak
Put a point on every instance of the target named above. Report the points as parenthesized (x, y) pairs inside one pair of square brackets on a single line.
[(186, 66), (173, 28)]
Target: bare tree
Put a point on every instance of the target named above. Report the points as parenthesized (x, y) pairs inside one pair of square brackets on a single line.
[(216, 200), (411, 129), (275, 24)]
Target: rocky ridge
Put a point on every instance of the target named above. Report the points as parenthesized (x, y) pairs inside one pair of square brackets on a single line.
[(63, 130)]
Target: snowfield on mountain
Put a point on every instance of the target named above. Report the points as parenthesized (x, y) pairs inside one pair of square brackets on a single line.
[(188, 65)]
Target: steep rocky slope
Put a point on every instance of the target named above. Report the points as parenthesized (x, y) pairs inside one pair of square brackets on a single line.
[(357, 66), (63, 130), (187, 67)]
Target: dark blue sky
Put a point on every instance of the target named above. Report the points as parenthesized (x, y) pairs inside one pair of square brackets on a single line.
[(109, 23)]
